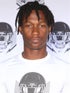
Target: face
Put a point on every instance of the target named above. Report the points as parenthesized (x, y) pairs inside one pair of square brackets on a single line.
[(59, 38), (3, 40), (35, 32)]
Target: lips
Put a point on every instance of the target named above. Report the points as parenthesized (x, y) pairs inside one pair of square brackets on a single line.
[(36, 40)]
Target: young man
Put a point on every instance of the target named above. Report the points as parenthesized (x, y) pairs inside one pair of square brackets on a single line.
[(33, 71), (34, 24)]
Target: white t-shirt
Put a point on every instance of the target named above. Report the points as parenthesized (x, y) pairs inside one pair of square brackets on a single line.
[(52, 70), (60, 53)]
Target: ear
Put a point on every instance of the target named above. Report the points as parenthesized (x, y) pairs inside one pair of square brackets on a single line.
[(50, 28), (20, 29)]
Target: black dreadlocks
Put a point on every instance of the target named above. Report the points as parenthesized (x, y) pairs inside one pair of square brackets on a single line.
[(25, 10)]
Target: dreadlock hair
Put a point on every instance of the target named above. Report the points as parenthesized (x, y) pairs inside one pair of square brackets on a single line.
[(25, 11)]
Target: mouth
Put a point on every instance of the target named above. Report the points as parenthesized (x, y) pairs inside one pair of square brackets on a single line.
[(36, 40)]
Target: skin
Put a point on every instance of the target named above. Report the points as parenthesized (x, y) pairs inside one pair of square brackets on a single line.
[(35, 33)]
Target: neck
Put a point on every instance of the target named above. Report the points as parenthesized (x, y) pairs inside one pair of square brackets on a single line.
[(34, 54)]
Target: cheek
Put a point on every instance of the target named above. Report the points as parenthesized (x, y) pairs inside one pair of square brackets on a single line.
[(44, 34), (27, 33)]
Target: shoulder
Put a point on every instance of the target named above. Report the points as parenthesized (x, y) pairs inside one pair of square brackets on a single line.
[(56, 60), (11, 61)]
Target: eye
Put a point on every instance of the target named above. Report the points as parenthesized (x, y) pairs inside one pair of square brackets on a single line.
[(28, 25), (42, 25)]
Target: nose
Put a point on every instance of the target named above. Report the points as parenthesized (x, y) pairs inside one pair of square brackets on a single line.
[(35, 30), (2, 38), (59, 37)]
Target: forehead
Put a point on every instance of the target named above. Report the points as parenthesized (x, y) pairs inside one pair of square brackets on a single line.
[(34, 15)]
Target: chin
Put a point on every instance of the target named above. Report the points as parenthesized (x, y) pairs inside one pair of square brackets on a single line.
[(37, 48)]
